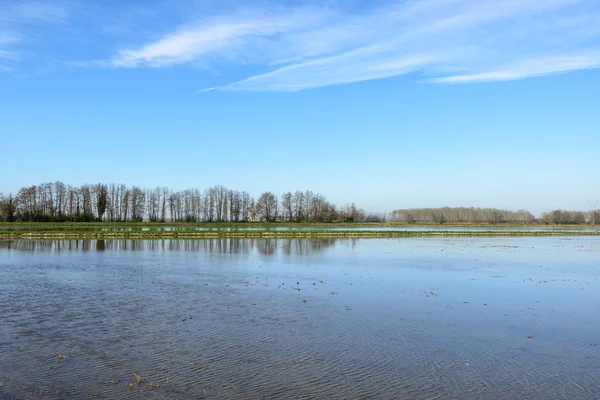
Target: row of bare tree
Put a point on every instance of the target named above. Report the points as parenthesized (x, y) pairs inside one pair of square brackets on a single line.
[(491, 216), (58, 202), (571, 217)]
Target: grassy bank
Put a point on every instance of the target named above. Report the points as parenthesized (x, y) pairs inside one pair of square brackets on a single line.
[(195, 234), (303, 225)]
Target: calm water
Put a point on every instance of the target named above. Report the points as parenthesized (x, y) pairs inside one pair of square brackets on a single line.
[(460, 318)]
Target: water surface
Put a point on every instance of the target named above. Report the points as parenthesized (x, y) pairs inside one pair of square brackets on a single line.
[(489, 318)]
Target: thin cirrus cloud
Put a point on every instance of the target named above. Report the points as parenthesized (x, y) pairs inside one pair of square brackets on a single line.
[(20, 22), (529, 68), (275, 46), (237, 38), (448, 41)]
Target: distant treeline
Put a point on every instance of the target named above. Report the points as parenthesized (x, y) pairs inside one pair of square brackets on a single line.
[(58, 202), (491, 216)]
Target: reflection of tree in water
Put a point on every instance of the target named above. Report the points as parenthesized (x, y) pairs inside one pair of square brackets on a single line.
[(100, 245), (227, 246), (222, 246), (299, 246), (265, 246), (73, 245), (306, 246), (50, 245)]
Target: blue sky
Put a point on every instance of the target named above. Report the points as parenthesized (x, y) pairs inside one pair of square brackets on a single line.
[(390, 104)]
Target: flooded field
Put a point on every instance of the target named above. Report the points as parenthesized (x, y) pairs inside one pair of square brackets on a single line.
[(452, 318)]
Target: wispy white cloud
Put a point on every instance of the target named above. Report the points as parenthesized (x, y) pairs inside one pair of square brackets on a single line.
[(237, 38), (529, 68), (33, 11), (362, 64), (277, 47), (8, 55), (18, 19), (456, 41)]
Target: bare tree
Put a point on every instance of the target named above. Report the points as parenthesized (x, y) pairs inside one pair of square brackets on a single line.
[(137, 204), (287, 206), (163, 204), (61, 200), (461, 215), (594, 213), (246, 206), (27, 202), (299, 205), (117, 202), (266, 207), (235, 205)]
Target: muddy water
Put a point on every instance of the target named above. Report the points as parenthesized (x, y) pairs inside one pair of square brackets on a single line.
[(488, 318)]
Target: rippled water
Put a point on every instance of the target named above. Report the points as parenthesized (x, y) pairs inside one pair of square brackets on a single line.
[(459, 318)]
